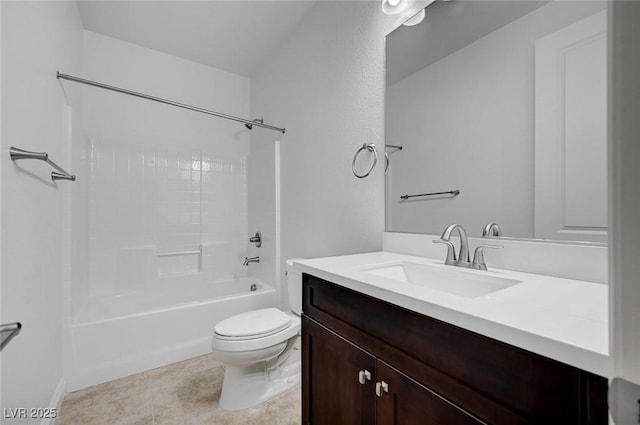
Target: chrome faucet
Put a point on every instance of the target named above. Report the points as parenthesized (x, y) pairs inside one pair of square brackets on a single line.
[(463, 256), (248, 260), (462, 260), (491, 229)]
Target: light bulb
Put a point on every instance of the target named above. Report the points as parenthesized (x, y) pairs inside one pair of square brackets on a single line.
[(392, 7)]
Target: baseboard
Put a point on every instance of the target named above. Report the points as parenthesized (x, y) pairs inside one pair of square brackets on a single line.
[(56, 402)]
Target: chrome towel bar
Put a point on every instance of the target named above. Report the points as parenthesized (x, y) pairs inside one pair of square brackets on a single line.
[(450, 192), (251, 123), (60, 174)]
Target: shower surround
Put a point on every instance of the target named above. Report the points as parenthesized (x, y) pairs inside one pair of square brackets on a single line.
[(159, 214), (166, 200)]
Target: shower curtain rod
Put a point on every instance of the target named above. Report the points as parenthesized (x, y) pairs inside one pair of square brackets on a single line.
[(168, 102)]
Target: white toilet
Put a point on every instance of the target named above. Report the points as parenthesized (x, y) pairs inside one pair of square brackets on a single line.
[(257, 350)]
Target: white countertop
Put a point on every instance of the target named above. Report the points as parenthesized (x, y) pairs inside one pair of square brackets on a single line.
[(563, 319)]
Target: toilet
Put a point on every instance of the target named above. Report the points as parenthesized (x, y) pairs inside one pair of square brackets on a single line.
[(257, 348)]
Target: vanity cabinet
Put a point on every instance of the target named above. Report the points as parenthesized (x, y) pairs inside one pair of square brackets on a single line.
[(366, 361), (348, 385)]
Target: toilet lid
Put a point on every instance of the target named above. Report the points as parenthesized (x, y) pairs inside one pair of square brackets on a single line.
[(253, 324)]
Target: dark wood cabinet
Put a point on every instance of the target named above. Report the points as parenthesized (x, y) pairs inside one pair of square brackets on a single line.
[(424, 371), (335, 378), (406, 401), (344, 384)]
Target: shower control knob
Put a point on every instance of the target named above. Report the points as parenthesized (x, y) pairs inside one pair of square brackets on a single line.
[(257, 239)]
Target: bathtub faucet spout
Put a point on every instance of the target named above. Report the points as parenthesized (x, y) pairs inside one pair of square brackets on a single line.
[(248, 260)]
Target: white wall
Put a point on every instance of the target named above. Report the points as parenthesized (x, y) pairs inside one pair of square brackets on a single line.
[(325, 85), (467, 122), (38, 38), (162, 178)]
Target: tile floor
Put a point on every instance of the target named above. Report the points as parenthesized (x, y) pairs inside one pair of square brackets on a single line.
[(184, 393)]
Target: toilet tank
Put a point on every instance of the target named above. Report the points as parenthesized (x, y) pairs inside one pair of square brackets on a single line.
[(294, 287)]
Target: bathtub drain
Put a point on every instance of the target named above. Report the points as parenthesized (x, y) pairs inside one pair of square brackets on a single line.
[(254, 287)]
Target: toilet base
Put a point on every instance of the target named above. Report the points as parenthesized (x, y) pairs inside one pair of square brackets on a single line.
[(249, 386)]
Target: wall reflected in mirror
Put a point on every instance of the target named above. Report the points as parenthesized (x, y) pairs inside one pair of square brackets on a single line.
[(505, 102)]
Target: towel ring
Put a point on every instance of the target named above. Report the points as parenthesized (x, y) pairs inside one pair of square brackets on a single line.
[(371, 147)]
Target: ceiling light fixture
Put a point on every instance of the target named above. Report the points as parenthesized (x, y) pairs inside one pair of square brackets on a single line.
[(393, 7)]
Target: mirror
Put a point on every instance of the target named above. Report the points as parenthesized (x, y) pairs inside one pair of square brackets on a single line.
[(505, 103)]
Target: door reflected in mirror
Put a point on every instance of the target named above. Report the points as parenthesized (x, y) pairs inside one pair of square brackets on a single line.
[(505, 102)]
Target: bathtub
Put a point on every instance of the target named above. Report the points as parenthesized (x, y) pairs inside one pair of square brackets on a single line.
[(116, 336)]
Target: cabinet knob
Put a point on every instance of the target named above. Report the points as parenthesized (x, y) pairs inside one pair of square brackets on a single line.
[(381, 387), (364, 376)]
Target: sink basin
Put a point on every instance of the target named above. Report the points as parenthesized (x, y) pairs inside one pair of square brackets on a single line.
[(451, 280)]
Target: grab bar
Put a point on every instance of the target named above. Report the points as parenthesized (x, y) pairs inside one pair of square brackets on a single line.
[(451, 192), (8, 332), (60, 174), (176, 253)]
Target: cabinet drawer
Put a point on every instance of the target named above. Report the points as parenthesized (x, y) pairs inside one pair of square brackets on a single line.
[(460, 364)]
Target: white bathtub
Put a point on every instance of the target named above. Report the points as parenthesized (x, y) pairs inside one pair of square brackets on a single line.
[(116, 336)]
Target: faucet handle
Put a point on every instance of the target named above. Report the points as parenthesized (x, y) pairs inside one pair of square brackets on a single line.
[(451, 252), (478, 256)]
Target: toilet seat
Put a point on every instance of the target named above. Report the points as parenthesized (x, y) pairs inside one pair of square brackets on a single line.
[(252, 324), (258, 342)]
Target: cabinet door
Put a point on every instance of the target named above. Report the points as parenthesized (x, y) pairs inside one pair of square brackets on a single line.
[(333, 370), (403, 401)]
